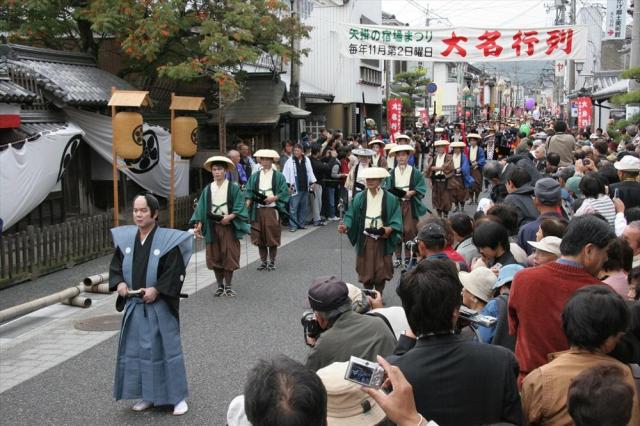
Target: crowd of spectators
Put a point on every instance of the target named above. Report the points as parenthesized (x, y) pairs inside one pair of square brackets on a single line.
[(524, 312)]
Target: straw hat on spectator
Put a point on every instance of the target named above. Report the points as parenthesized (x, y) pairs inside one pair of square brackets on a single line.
[(479, 282), (549, 244)]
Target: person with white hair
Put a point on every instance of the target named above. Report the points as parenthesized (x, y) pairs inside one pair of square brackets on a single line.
[(631, 235)]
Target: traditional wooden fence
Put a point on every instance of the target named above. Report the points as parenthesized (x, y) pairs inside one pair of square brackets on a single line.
[(28, 254)]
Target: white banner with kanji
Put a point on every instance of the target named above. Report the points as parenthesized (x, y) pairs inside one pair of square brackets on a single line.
[(616, 20), (463, 44)]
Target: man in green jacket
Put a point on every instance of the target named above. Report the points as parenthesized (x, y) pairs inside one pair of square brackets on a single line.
[(221, 218), (373, 224), (267, 194), (408, 185), (345, 332)]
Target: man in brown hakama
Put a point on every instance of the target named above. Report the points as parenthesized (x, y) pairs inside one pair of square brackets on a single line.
[(440, 169), (477, 160), (221, 218), (455, 184), (267, 194), (373, 224)]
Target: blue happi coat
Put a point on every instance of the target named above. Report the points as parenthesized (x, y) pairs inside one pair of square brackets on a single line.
[(150, 364), (465, 168)]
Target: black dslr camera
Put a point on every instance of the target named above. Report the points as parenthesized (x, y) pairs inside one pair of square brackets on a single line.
[(400, 193), (375, 231), (310, 326), (258, 197), (469, 316), (215, 217)]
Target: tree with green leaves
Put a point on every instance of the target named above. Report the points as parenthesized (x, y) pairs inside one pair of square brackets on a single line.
[(632, 97), (410, 85), (179, 39)]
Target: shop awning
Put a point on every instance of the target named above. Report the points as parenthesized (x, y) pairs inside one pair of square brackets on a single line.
[(617, 88), (261, 105)]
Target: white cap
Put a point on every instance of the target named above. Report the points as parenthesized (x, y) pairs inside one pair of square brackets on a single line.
[(548, 244), (628, 163)]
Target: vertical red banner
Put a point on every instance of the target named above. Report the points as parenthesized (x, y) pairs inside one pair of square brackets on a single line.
[(424, 116), (584, 112), (394, 117)]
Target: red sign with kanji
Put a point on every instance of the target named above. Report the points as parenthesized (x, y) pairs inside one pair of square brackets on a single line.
[(585, 112), (394, 117)]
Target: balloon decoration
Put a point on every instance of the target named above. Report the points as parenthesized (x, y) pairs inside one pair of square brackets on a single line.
[(127, 135), (185, 138), (530, 104)]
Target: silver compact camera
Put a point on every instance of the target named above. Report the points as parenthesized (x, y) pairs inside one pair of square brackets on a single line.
[(365, 373)]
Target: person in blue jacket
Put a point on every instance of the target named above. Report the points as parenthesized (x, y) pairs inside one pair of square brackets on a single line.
[(477, 160), (461, 181)]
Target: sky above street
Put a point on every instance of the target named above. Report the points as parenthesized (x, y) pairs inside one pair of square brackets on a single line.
[(477, 13)]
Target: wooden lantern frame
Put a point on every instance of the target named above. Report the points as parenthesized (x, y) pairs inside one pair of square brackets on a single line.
[(179, 103), (122, 98)]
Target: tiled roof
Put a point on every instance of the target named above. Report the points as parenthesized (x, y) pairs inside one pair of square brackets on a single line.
[(69, 78), (74, 84), (11, 92), (259, 107)]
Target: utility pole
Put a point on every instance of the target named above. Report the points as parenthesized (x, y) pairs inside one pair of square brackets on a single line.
[(635, 45), (571, 67), (294, 87), (560, 19)]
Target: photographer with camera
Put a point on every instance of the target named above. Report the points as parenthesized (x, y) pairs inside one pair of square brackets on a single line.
[(336, 332), (480, 379)]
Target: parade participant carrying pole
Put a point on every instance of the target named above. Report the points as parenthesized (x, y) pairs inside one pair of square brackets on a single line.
[(266, 195), (461, 180), (341, 210), (373, 224), (221, 218), (148, 270), (440, 169), (408, 185), (477, 160), (355, 179)]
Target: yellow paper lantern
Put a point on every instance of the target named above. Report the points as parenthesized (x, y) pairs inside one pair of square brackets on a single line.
[(128, 135), (185, 138)]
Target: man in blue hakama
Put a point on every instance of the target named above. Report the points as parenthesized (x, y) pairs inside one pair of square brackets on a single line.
[(152, 261)]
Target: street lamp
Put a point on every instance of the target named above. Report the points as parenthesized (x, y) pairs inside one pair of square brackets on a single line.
[(500, 85), (507, 95), (465, 94), (476, 92)]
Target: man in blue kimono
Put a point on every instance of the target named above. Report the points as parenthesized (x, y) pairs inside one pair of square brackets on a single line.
[(147, 271)]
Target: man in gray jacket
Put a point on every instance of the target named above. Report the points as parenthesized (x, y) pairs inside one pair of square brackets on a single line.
[(562, 143), (521, 195), (345, 332)]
